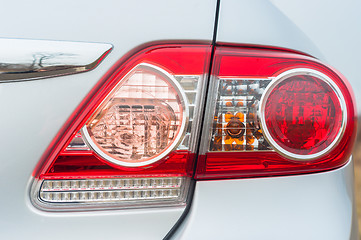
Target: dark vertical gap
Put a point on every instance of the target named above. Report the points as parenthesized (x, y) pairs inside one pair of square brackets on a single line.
[(206, 86), (214, 40), (193, 182)]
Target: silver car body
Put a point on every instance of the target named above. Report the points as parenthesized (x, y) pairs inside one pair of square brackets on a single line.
[(314, 206)]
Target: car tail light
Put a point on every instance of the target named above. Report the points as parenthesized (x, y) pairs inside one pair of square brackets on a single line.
[(274, 113), (131, 142), (135, 139)]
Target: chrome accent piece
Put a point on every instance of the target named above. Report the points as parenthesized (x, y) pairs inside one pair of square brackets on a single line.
[(261, 112), (23, 59)]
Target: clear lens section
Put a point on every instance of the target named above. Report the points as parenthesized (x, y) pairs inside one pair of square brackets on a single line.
[(77, 143), (113, 190), (236, 125), (142, 120), (190, 86)]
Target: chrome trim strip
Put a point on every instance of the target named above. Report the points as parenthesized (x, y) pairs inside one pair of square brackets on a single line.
[(24, 59)]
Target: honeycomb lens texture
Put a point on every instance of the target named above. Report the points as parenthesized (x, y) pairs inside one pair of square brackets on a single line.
[(303, 114), (140, 121)]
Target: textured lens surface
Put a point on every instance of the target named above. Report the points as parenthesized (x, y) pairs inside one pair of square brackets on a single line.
[(112, 190), (140, 120), (235, 126), (303, 114)]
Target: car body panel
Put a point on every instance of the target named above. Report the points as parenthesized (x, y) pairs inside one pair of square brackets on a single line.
[(260, 22), (311, 206), (34, 111)]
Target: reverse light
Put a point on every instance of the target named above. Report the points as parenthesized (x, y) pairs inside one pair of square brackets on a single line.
[(141, 121)]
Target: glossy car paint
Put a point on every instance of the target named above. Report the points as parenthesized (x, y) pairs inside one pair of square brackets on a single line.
[(317, 206), (314, 206), (34, 111)]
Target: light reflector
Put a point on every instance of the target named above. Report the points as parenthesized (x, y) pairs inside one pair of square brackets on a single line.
[(114, 190)]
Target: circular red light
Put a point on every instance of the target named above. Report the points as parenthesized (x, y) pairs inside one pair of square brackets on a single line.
[(303, 114)]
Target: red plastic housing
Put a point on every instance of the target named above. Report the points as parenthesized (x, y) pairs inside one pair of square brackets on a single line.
[(59, 163), (255, 63)]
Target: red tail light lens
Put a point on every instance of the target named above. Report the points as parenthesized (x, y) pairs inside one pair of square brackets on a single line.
[(131, 142), (303, 114), (274, 113)]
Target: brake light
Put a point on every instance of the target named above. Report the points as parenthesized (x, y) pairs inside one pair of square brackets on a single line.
[(274, 113), (131, 142)]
